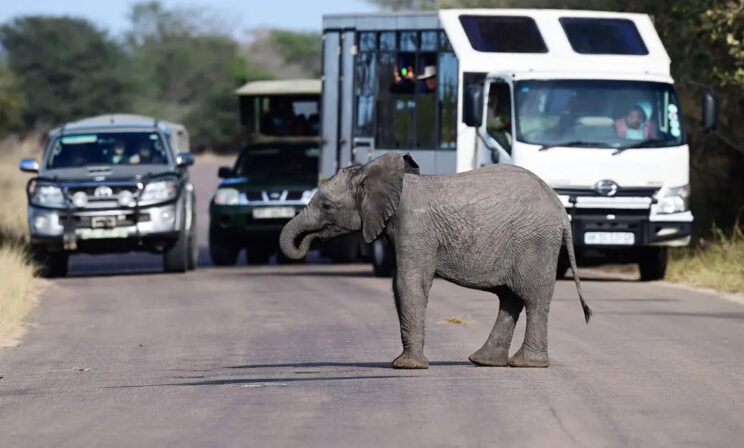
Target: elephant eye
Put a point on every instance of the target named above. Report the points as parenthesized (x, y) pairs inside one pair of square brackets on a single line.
[(326, 206)]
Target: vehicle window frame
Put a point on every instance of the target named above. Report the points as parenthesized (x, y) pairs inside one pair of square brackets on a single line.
[(634, 33), (469, 20)]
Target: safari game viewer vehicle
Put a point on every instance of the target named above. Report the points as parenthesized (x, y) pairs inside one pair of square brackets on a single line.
[(275, 175), (113, 184), (583, 99)]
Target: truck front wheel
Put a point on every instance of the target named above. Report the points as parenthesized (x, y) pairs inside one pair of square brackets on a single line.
[(222, 251), (653, 263), (176, 258), (50, 264), (383, 259)]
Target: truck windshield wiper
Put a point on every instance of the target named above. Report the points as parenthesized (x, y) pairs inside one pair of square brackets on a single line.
[(648, 143), (571, 143)]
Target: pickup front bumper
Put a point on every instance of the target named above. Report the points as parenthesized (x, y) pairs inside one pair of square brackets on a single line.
[(648, 230), (104, 231)]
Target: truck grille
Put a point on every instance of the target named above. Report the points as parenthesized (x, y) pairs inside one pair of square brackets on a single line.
[(622, 192)]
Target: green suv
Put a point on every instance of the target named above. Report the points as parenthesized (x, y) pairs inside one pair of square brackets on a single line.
[(269, 184)]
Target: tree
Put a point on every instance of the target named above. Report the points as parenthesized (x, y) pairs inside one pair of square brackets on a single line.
[(67, 69), (287, 54), (11, 100)]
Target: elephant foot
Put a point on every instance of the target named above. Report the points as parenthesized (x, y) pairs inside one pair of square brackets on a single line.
[(490, 357), (410, 361), (527, 358)]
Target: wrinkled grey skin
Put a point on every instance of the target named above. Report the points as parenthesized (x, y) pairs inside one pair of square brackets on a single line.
[(498, 228)]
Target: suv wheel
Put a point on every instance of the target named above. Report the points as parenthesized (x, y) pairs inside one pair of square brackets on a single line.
[(257, 255), (221, 251), (193, 244), (50, 264), (176, 258), (383, 260), (653, 263)]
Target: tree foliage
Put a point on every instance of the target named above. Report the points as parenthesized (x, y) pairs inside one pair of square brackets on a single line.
[(11, 101), (66, 68)]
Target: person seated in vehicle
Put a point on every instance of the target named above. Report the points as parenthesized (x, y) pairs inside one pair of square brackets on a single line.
[(499, 128), (636, 125), (145, 156), (405, 80), (119, 154)]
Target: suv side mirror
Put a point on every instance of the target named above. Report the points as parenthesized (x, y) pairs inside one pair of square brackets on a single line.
[(184, 159), (29, 166), (224, 172), (710, 111), (472, 105)]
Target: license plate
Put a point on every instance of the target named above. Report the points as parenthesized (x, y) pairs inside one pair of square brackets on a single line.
[(103, 222), (92, 234), (609, 238), (273, 212)]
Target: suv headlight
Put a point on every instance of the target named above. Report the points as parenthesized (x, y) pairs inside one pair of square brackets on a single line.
[(307, 195), (227, 196), (160, 191), (48, 195), (674, 200)]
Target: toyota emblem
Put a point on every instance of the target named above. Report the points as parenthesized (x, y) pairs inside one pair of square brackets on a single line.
[(103, 192), (275, 196), (606, 188)]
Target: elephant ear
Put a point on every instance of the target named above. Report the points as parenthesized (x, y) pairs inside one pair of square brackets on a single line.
[(379, 191)]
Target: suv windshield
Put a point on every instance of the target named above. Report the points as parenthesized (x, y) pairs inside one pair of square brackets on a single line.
[(268, 161), (605, 114), (107, 148)]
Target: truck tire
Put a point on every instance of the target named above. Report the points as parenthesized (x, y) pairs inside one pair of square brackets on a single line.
[(283, 259), (653, 263), (345, 249), (383, 258), (563, 265), (50, 264), (257, 255), (221, 251), (176, 258)]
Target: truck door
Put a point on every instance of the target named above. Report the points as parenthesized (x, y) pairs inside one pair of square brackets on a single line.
[(499, 123)]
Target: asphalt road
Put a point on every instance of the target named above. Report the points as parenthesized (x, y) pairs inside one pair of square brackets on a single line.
[(275, 356)]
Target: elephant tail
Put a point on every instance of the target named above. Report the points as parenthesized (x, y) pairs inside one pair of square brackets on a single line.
[(568, 239)]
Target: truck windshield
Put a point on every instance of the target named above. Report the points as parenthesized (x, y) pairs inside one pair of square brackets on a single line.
[(598, 113), (107, 148), (278, 161)]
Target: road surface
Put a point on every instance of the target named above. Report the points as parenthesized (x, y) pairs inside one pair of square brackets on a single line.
[(120, 355)]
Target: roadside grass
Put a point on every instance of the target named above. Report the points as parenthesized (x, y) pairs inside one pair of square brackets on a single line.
[(19, 287), (717, 264)]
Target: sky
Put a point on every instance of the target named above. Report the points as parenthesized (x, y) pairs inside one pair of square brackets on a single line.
[(237, 14)]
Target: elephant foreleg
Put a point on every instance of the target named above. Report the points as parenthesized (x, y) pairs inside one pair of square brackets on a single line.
[(495, 352), (411, 292)]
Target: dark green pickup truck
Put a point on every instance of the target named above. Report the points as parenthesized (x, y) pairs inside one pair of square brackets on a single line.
[(268, 185)]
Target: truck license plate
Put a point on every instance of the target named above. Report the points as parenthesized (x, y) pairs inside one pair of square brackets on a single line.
[(273, 212), (92, 234), (609, 238)]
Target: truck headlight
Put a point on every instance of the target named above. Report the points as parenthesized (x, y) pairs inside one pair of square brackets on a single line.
[(307, 195), (160, 191), (227, 196), (674, 200), (48, 195)]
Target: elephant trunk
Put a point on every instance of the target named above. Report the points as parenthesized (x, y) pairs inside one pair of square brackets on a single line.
[(296, 237)]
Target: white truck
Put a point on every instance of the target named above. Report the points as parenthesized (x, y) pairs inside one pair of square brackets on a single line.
[(584, 99)]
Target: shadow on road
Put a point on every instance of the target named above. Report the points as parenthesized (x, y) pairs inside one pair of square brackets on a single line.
[(260, 381), (373, 365), (361, 272), (731, 316)]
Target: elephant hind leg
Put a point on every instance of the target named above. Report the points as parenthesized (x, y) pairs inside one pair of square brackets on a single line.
[(534, 350), (495, 351)]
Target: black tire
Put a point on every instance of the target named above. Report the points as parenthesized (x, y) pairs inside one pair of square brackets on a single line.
[(50, 264), (176, 258), (222, 251), (563, 265), (257, 255), (345, 249), (383, 258), (653, 263), (193, 241)]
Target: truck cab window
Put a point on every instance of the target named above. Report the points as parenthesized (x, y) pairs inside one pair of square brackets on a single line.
[(498, 120)]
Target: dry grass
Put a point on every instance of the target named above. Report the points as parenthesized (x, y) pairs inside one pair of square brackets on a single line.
[(18, 289), (457, 320), (716, 264)]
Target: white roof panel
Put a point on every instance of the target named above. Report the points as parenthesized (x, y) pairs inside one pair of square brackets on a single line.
[(281, 87)]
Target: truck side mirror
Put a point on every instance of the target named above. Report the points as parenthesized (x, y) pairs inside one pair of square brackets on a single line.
[(29, 166), (472, 105), (710, 111), (184, 159), (224, 172)]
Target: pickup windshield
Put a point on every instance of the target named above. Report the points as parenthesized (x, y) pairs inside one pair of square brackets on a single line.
[(278, 161), (609, 114), (107, 148)]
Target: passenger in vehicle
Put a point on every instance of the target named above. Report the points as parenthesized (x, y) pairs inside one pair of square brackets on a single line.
[(145, 155), (636, 125), (119, 156), (406, 84)]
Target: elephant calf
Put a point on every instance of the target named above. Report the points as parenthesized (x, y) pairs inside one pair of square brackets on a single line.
[(498, 228)]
